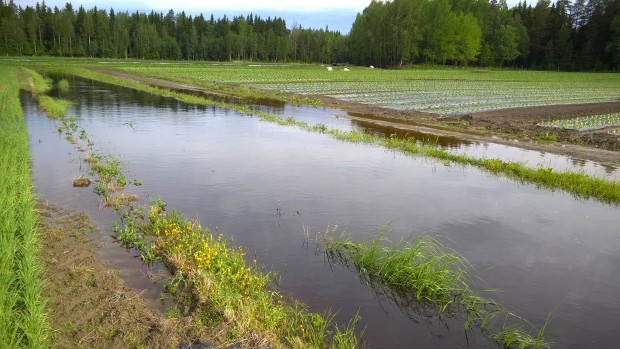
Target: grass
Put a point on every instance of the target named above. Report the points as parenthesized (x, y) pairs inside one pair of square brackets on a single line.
[(585, 123), (39, 86), (23, 316), (427, 273), (546, 137), (63, 85), (216, 283)]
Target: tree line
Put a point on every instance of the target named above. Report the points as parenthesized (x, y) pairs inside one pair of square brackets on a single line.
[(584, 35)]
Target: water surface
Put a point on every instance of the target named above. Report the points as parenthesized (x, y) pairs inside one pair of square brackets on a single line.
[(544, 250)]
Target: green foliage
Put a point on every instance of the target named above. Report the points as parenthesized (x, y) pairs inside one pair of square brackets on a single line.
[(23, 315), (39, 86), (585, 123), (546, 137), (221, 284), (63, 85), (426, 272), (386, 33)]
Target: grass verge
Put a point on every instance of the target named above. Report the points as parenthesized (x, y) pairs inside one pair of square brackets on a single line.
[(425, 272), (23, 316)]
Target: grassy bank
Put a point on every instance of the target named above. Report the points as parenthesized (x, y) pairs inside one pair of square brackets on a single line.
[(23, 318), (423, 271), (222, 289)]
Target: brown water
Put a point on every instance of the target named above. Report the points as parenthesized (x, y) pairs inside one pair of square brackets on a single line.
[(543, 250)]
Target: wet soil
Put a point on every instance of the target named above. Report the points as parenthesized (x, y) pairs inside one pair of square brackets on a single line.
[(514, 126), (90, 304)]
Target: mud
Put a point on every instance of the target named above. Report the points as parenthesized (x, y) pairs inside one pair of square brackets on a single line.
[(90, 305)]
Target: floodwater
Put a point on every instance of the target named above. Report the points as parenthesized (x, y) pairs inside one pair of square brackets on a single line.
[(262, 184)]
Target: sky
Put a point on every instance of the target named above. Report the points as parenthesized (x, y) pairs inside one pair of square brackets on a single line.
[(334, 14)]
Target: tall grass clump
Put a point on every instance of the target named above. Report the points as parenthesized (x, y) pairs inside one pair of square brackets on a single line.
[(39, 86), (23, 317), (423, 271), (63, 85), (217, 283)]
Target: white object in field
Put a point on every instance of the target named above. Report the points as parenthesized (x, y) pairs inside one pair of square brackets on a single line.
[(372, 67), (329, 68), (345, 69)]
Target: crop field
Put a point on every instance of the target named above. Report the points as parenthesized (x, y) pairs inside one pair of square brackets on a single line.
[(586, 123), (447, 91)]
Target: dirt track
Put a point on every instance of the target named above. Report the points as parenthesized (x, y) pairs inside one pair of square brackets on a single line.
[(515, 127)]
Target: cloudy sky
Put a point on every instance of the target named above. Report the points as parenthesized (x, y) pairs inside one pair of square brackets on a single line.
[(336, 14)]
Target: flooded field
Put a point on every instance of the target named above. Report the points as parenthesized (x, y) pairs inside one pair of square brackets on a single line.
[(264, 184)]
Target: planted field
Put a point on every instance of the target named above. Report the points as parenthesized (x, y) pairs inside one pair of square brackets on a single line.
[(586, 123), (23, 319), (443, 91)]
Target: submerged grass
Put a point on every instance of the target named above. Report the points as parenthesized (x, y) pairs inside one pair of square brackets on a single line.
[(39, 86), (214, 281), (579, 184), (63, 85), (23, 316), (426, 272)]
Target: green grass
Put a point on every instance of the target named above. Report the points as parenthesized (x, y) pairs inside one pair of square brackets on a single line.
[(585, 123), (546, 137), (63, 85), (427, 273), (39, 86), (216, 282), (23, 316)]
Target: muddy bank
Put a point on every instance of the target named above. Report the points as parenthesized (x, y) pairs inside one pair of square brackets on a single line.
[(90, 305), (515, 127)]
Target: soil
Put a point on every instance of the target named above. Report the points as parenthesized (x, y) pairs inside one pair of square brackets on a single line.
[(81, 182), (90, 305), (515, 126)]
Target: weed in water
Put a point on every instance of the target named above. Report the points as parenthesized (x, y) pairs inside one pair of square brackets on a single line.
[(435, 276)]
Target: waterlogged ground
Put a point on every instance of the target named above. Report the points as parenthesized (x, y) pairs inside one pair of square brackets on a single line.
[(264, 185)]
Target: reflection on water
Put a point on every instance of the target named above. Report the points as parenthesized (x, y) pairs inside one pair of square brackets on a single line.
[(542, 249)]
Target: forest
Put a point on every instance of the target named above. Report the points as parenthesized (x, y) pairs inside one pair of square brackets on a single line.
[(583, 35)]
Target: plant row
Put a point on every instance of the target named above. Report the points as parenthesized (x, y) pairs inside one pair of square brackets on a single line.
[(585, 123)]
